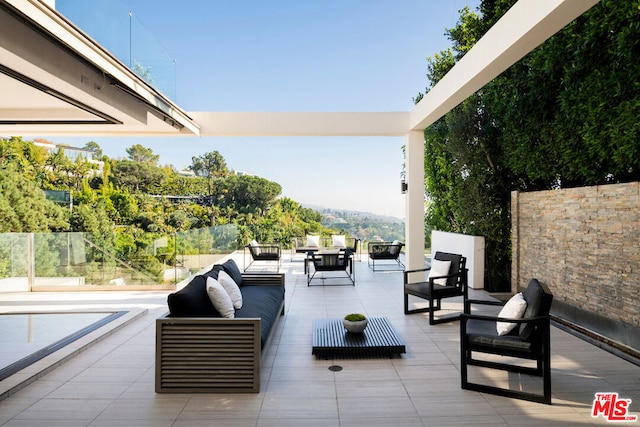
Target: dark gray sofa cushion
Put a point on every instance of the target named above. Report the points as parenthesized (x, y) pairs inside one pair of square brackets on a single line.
[(213, 272), (192, 300), (261, 301), (232, 270)]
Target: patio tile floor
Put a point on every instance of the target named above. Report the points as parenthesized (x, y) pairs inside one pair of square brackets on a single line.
[(111, 383)]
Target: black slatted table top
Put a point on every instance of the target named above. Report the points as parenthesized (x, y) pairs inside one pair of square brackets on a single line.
[(330, 339)]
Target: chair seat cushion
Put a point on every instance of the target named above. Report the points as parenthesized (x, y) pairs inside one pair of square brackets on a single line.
[(422, 289), (261, 301), (381, 255), (267, 256), (483, 334)]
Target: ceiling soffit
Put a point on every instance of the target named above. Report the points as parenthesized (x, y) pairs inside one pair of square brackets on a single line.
[(50, 88)]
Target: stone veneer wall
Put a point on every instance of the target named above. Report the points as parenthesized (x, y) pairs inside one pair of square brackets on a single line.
[(584, 243)]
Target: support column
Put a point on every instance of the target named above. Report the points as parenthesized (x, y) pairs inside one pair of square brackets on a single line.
[(414, 202)]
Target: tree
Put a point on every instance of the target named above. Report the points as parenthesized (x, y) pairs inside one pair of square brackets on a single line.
[(466, 187), (136, 177), (24, 207), (565, 115), (249, 194), (97, 151), (140, 154), (210, 165), (25, 157)]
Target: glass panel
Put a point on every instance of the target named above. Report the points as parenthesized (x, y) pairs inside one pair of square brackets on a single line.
[(117, 29), (71, 261), (197, 249)]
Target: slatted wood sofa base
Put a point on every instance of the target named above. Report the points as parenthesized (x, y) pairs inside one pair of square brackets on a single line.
[(212, 354)]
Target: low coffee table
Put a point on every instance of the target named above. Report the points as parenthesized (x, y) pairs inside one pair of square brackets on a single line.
[(330, 339)]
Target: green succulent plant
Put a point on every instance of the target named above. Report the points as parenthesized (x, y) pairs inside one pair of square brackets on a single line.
[(355, 317)]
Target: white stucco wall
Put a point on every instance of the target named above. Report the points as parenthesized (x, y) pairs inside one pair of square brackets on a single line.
[(471, 247)]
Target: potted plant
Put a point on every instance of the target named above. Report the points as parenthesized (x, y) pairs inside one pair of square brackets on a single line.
[(354, 322)]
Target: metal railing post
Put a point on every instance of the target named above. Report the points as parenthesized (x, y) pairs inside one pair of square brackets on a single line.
[(31, 261)]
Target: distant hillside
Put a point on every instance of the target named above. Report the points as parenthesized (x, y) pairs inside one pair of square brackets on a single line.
[(364, 225)]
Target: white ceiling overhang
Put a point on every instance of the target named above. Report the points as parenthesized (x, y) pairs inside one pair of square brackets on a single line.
[(54, 80), (524, 27)]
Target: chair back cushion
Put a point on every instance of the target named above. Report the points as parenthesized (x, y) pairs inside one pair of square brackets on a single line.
[(539, 299), (254, 248), (345, 255), (313, 241), (395, 247), (457, 263), (338, 241), (354, 248), (439, 268), (331, 260)]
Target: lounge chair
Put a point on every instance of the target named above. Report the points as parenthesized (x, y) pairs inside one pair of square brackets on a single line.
[(330, 261), (529, 339), (447, 278), (384, 251), (266, 252)]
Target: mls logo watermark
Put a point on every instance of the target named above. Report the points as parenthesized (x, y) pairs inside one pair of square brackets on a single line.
[(612, 408)]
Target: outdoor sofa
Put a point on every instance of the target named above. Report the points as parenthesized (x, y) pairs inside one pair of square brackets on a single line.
[(199, 351)]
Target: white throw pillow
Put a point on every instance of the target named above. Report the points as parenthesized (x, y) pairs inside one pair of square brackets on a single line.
[(394, 249), (220, 298), (313, 241), (338, 241), (232, 288), (513, 309), (439, 268), (255, 246)]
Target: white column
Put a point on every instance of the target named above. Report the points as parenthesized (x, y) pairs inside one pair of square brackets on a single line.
[(414, 203)]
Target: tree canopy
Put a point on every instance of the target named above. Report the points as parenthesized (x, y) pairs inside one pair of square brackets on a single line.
[(140, 154), (565, 115), (132, 197)]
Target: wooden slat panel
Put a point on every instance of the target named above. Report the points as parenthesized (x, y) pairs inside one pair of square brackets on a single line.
[(207, 355)]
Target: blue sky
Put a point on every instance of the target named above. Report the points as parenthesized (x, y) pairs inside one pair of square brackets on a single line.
[(284, 55)]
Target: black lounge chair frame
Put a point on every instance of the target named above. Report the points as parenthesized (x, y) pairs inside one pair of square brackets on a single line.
[(456, 286), (340, 260), (530, 340), (268, 252), (384, 251)]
